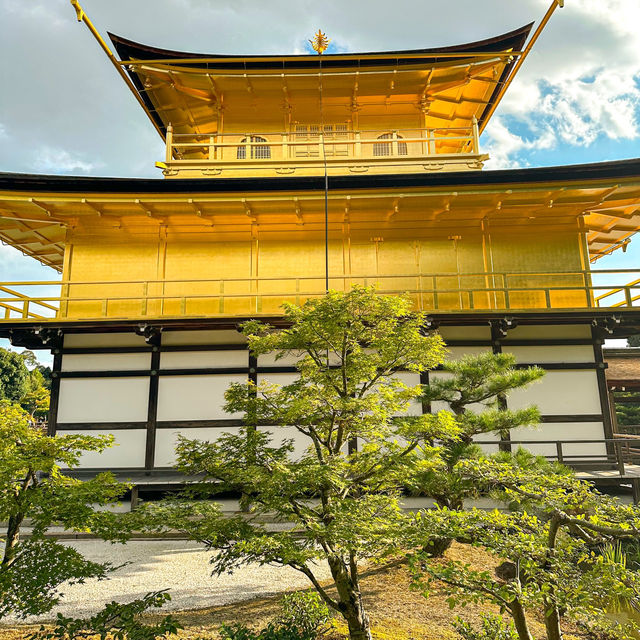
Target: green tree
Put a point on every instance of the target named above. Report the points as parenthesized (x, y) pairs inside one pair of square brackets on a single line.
[(37, 390), (550, 549), (342, 497), (116, 620), (14, 375), (33, 487), (474, 388)]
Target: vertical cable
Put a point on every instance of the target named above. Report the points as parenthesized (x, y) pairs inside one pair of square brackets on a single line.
[(326, 185)]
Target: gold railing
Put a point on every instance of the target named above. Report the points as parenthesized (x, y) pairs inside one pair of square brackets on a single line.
[(331, 143), (446, 292)]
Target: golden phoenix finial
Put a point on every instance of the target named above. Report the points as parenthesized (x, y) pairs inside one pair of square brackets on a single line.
[(320, 42)]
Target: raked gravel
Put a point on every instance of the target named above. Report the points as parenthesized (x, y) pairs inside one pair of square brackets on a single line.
[(178, 565)]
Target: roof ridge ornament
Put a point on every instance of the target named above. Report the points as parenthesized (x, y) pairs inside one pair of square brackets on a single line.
[(320, 42)]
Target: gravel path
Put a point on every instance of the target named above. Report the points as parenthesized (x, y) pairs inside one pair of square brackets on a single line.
[(179, 565)]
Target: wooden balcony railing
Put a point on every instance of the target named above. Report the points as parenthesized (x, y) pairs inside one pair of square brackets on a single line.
[(311, 148), (446, 292), (621, 454)]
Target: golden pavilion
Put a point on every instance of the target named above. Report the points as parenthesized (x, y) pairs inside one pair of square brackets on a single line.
[(285, 176)]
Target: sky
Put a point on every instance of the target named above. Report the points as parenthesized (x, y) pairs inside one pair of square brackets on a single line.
[(64, 109)]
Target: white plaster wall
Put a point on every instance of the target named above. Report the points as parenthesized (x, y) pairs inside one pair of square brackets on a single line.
[(97, 340), (223, 336), (278, 378), (562, 392), (106, 362), (103, 399), (269, 360), (455, 353), (549, 332), (465, 333), (280, 434), (489, 437), (166, 440), (543, 354), (563, 431), (203, 359), (128, 452), (195, 397), (411, 380)]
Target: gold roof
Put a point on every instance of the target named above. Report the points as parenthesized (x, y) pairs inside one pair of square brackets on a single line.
[(452, 85)]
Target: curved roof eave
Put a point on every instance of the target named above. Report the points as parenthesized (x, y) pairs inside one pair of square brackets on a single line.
[(131, 50), (613, 170)]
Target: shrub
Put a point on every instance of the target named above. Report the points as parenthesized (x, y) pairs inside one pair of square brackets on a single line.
[(304, 611), (492, 627), (302, 618)]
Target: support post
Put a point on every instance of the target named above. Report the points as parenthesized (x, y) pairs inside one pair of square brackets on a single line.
[(152, 409), (476, 135), (169, 152)]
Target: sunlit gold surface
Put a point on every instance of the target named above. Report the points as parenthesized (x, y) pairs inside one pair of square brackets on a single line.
[(597, 214)]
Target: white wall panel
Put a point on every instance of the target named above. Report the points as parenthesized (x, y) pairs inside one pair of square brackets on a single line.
[(549, 353), (455, 353), (489, 437), (103, 399), (106, 362), (226, 336), (203, 359), (562, 392), (166, 440), (280, 434), (411, 380), (269, 360), (563, 431), (97, 340), (195, 397), (128, 452), (549, 332), (465, 333), (278, 378)]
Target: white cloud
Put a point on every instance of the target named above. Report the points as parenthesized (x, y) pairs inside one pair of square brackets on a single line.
[(580, 83), (506, 149), (54, 160)]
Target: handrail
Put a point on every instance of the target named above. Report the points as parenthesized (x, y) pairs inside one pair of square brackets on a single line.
[(449, 292), (353, 276), (422, 142), (319, 133), (617, 452)]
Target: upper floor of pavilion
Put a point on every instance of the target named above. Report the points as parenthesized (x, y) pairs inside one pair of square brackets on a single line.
[(471, 243), (392, 112)]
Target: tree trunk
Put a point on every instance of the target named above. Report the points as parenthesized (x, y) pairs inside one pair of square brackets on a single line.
[(551, 614), (552, 622), (437, 547), (520, 620), (350, 601), (13, 535)]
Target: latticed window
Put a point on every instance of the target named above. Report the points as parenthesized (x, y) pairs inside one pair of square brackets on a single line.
[(386, 148), (258, 151), (333, 134)]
